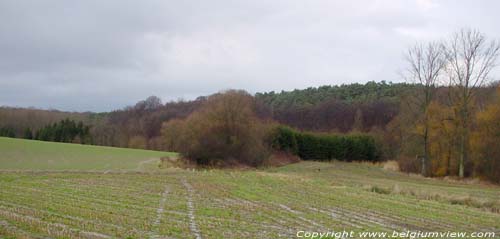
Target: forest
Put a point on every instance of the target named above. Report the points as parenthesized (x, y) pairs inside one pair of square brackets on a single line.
[(341, 109), (377, 109), (443, 119)]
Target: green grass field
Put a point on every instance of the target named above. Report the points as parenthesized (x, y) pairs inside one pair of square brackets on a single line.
[(19, 154), (265, 203)]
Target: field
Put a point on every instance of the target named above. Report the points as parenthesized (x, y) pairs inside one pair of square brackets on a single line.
[(97, 201), (18, 154)]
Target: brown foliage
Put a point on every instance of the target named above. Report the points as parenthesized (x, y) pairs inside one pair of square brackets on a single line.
[(485, 141), (443, 137), (137, 142), (223, 131), (409, 164)]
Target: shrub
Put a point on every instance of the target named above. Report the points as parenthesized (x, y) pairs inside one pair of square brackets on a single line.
[(311, 146), (284, 139), (225, 130), (409, 164)]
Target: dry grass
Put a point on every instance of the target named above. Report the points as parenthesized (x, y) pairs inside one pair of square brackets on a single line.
[(491, 205), (391, 165), (278, 159), (176, 162)]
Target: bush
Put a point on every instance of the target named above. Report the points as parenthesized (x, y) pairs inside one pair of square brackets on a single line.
[(283, 139), (409, 164), (311, 146), (223, 132)]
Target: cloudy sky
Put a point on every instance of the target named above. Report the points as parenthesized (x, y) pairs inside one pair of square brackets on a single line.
[(94, 55)]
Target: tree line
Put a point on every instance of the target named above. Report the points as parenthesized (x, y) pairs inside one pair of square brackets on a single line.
[(7, 132), (329, 109), (66, 131)]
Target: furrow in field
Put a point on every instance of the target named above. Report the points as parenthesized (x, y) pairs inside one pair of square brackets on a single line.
[(95, 196), (270, 216), (247, 206), (159, 214), (70, 220), (52, 229), (364, 218), (396, 208), (80, 199), (297, 213), (268, 221), (430, 220), (385, 222), (400, 222), (93, 214), (336, 217), (80, 204), (285, 215), (7, 229), (114, 185), (271, 213), (191, 214), (287, 220), (374, 218), (117, 184)]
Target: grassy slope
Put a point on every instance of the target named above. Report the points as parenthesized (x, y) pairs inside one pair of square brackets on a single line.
[(20, 154)]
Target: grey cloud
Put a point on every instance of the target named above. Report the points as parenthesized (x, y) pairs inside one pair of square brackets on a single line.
[(102, 55)]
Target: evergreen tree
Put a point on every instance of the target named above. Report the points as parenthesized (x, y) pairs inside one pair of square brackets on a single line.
[(28, 134), (64, 131), (7, 132)]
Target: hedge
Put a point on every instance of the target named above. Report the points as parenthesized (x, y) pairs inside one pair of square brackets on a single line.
[(313, 146)]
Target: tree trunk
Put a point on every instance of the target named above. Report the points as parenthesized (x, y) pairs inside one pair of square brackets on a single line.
[(462, 157), (463, 142), (426, 151)]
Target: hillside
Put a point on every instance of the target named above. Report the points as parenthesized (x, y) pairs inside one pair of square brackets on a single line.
[(20, 154)]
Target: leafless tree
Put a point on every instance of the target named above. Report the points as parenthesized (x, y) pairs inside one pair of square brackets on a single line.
[(426, 62), (470, 59)]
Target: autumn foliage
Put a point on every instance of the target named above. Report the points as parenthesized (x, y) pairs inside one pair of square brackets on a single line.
[(224, 131), (485, 142)]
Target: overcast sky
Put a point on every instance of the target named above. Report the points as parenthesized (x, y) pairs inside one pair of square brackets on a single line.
[(94, 55)]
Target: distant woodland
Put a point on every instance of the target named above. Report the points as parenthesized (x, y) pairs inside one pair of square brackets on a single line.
[(336, 109), (379, 109), (443, 121)]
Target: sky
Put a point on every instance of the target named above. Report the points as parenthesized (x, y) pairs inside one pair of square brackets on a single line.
[(94, 55)]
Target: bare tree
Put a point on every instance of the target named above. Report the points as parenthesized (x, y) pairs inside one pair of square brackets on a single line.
[(426, 62), (470, 59)]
